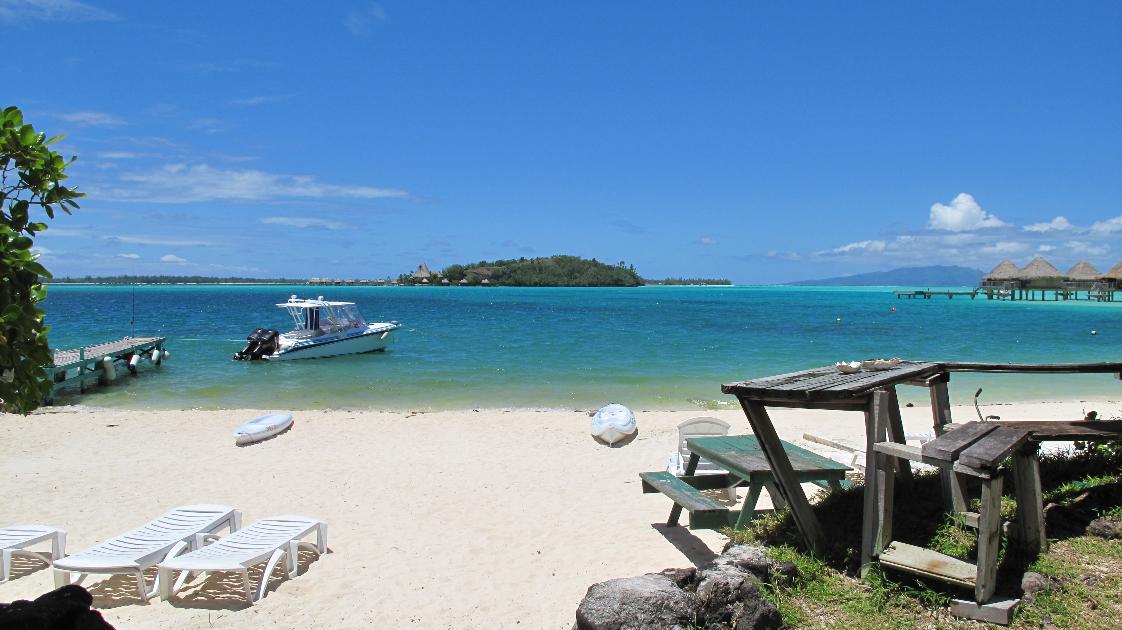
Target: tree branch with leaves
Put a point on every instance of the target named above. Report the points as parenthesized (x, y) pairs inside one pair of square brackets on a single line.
[(31, 176)]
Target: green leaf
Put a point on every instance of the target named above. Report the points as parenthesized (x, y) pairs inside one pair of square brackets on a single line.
[(55, 139)]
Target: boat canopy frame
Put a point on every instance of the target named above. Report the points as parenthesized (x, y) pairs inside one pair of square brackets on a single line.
[(316, 317)]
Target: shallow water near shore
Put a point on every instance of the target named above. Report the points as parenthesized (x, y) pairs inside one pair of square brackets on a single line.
[(647, 347)]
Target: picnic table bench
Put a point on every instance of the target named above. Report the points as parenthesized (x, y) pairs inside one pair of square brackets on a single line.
[(743, 458)]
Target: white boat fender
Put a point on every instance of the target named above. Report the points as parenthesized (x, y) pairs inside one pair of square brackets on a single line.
[(167, 355), (155, 357), (613, 422), (134, 361), (262, 428), (109, 371)]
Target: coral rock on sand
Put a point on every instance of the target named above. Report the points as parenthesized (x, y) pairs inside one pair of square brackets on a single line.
[(724, 594)]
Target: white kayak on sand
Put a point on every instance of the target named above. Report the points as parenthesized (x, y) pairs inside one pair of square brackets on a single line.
[(262, 428), (613, 423)]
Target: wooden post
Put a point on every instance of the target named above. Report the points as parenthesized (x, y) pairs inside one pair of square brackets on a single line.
[(876, 521), (989, 539), (784, 475), (896, 434), (1030, 512), (954, 485), (82, 369)]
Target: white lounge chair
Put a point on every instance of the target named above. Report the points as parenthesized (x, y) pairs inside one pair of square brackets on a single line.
[(698, 427), (15, 540), (179, 530), (267, 540)]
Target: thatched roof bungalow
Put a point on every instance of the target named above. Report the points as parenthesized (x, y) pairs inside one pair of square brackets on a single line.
[(1114, 273), (1083, 271), (1040, 274), (1003, 274)]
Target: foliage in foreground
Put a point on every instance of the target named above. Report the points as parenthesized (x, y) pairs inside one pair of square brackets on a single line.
[(31, 176), (1084, 572)]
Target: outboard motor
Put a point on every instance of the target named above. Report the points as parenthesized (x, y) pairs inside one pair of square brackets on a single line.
[(260, 342)]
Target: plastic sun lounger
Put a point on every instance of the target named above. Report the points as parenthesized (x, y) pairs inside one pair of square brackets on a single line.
[(15, 540), (268, 539), (181, 529)]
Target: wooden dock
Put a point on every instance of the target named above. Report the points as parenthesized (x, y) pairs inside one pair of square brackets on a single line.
[(101, 362), (928, 294)]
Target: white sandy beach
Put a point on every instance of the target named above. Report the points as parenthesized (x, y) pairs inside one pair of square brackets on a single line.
[(481, 519)]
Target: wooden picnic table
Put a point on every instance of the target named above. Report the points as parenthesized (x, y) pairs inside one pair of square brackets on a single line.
[(827, 388)]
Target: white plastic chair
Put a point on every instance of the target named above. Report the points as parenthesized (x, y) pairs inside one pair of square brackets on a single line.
[(268, 539), (15, 540), (179, 530), (698, 427)]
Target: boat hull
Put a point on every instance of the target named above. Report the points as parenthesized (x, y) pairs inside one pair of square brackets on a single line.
[(262, 428), (373, 341)]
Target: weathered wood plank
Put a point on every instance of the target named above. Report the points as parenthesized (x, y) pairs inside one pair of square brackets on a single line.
[(686, 496), (928, 563), (896, 434), (1062, 431), (946, 447), (715, 481), (993, 448), (1055, 368), (743, 455)]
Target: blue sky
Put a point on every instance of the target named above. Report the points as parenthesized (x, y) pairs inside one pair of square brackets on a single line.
[(763, 142)]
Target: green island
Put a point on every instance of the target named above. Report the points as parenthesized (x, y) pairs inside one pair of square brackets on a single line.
[(670, 282), (552, 271)]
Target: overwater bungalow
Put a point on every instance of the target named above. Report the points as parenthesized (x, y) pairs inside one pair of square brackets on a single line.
[(1041, 280), (1081, 277), (1003, 276)]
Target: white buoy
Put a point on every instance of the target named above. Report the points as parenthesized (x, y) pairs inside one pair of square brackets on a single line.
[(166, 355), (134, 361), (108, 370), (155, 356), (1094, 332)]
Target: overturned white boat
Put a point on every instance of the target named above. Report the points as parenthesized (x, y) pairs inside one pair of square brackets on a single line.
[(323, 329), (613, 423)]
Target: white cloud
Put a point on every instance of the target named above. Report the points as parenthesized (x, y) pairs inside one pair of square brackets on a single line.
[(360, 21), (708, 240), (1004, 247), (39, 250), (92, 119), (118, 155), (259, 100), (860, 247), (155, 240), (1084, 248), (1044, 249), (184, 183), (963, 214), (52, 10), (1059, 224), (1110, 226), (303, 222), (172, 258), (129, 256), (209, 125)]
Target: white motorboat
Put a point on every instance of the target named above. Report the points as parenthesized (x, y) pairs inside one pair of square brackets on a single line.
[(323, 329)]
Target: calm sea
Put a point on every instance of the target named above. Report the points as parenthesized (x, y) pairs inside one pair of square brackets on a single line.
[(649, 347)]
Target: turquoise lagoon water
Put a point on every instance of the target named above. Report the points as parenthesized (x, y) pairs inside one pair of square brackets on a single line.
[(648, 347)]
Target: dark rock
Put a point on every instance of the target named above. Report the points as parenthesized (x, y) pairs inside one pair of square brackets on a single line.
[(1106, 527), (747, 557), (1062, 521), (1032, 583), (644, 602), (729, 597), (66, 608), (682, 578)]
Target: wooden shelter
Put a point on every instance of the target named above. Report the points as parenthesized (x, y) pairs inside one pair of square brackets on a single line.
[(1040, 273), (1002, 276)]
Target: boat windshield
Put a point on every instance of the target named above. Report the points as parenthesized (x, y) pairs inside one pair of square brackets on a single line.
[(324, 317)]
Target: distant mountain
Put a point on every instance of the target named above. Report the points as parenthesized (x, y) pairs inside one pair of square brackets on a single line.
[(934, 276)]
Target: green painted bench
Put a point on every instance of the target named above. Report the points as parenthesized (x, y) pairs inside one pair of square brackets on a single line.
[(742, 457)]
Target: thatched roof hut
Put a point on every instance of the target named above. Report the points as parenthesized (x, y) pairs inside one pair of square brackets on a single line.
[(1114, 273), (1083, 271), (1039, 269), (1005, 270)]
